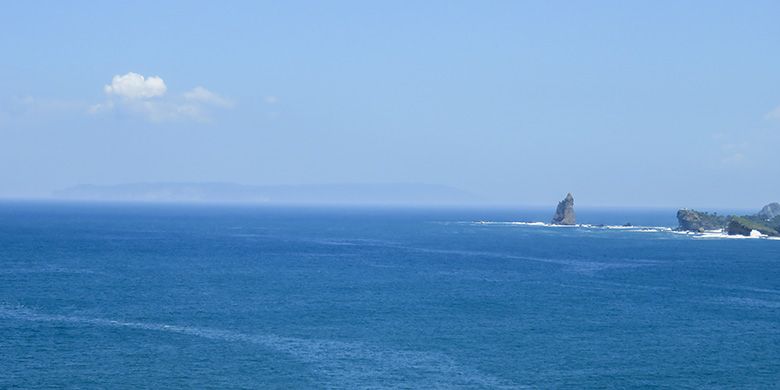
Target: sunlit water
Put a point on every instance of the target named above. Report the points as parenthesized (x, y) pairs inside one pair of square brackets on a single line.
[(156, 297)]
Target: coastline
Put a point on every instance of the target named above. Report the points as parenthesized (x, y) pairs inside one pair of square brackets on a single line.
[(707, 234)]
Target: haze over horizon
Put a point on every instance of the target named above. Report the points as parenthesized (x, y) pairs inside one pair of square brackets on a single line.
[(623, 104)]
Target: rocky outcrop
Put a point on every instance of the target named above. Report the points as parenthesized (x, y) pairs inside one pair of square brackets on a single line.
[(564, 214), (770, 211), (698, 221), (738, 228)]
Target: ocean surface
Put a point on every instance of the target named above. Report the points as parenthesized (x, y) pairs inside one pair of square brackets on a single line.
[(152, 297)]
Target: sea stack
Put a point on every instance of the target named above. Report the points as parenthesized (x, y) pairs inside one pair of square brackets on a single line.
[(564, 215)]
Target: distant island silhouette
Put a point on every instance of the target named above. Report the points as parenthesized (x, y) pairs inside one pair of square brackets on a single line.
[(346, 193)]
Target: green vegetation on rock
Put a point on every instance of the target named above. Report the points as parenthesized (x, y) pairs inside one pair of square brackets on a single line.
[(745, 225)]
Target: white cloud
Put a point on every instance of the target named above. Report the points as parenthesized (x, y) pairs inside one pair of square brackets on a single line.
[(135, 86), (203, 95), (128, 96), (147, 97), (271, 99)]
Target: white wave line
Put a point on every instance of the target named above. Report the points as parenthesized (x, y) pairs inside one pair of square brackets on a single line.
[(709, 234)]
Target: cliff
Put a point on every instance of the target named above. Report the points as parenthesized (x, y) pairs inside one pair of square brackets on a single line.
[(699, 221)]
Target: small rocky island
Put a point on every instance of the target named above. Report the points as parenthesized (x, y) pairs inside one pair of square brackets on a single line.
[(564, 214), (765, 222)]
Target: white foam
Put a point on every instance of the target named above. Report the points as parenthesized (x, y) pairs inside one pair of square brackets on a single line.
[(707, 234), (513, 223), (581, 226), (720, 234)]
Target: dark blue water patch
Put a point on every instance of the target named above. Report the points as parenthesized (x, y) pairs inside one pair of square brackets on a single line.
[(147, 296)]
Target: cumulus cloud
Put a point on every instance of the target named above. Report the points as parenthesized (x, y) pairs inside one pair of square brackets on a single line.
[(135, 86), (147, 97)]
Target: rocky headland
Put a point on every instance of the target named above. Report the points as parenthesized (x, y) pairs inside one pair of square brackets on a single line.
[(765, 222)]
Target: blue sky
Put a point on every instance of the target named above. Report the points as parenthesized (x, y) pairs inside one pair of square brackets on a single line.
[(641, 103)]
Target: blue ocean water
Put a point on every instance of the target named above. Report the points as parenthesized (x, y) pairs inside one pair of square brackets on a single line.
[(144, 296)]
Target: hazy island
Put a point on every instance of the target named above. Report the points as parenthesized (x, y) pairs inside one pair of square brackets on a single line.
[(327, 194)]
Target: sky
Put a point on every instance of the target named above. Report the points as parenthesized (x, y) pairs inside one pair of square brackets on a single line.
[(640, 103)]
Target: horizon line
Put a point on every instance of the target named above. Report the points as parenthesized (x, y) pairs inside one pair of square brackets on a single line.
[(346, 204)]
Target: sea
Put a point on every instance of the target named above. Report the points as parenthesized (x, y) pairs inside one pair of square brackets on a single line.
[(153, 296)]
